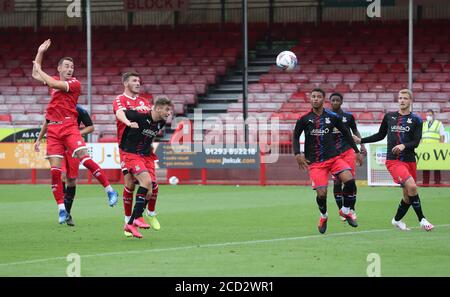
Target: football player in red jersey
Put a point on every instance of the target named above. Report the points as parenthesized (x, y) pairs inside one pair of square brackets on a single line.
[(62, 132)]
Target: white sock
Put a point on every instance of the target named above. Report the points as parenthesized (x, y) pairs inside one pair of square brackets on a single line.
[(345, 210), (151, 213), (61, 206), (324, 215), (109, 189), (127, 219)]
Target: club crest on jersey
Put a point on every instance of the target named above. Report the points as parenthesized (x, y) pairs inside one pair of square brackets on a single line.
[(79, 142), (344, 119), (327, 121), (137, 168), (409, 121)]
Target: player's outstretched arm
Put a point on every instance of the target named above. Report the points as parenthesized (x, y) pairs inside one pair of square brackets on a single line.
[(120, 115), (382, 132)]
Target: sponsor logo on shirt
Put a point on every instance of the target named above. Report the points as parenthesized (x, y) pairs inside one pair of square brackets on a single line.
[(400, 129), (316, 132)]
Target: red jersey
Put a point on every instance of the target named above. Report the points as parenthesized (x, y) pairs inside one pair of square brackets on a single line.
[(126, 103), (62, 105)]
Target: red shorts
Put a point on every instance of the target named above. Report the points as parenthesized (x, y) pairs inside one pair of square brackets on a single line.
[(136, 164), (401, 171), (122, 160), (318, 172), (63, 137), (350, 158), (70, 166)]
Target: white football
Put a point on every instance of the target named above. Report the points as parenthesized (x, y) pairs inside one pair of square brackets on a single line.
[(286, 60), (173, 180)]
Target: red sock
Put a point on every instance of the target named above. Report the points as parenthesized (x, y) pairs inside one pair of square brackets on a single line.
[(152, 202), (57, 188), (127, 201), (96, 171)]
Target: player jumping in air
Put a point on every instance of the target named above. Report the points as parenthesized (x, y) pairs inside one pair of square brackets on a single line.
[(321, 156), (70, 165), (62, 132), (404, 131), (345, 150), (136, 146)]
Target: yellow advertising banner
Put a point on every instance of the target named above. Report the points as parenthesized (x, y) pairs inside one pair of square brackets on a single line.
[(433, 156), (22, 156)]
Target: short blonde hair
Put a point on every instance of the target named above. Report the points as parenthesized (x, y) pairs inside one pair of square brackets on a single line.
[(407, 91)]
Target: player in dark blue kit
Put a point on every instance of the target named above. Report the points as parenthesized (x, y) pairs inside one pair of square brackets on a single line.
[(321, 156), (404, 131), (136, 146), (345, 150), (70, 165)]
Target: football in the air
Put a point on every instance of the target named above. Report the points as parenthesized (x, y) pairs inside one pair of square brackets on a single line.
[(286, 60)]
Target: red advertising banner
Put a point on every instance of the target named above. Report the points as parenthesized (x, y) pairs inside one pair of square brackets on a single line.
[(6, 6), (141, 5)]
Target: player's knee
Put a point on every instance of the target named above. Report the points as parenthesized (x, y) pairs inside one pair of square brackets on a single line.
[(350, 187), (321, 193), (345, 176), (71, 182), (411, 188)]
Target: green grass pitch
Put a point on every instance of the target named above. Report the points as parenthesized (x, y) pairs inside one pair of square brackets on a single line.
[(222, 231)]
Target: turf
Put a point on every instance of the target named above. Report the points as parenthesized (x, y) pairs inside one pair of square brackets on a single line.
[(221, 231)]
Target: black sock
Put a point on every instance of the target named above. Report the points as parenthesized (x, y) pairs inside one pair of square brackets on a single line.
[(68, 198), (139, 205), (349, 193), (402, 210), (64, 187), (337, 191), (415, 202), (322, 203)]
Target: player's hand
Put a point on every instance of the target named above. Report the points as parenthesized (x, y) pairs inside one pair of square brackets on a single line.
[(363, 150), (359, 159), (356, 139), (302, 162), (398, 149), (142, 108), (133, 125), (36, 146), (44, 46)]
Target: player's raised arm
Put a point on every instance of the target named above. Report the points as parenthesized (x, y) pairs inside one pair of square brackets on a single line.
[(38, 59), (382, 132), (134, 117)]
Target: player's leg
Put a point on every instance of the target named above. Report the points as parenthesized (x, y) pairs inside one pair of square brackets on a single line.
[(402, 209), (55, 155), (153, 196), (413, 195), (342, 170), (145, 182), (128, 192), (82, 154), (318, 173)]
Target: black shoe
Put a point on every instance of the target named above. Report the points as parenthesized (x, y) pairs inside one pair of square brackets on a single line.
[(70, 221)]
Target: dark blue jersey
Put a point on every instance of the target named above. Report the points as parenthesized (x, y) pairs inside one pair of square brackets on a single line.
[(319, 140), (139, 141), (400, 129), (348, 120), (83, 117)]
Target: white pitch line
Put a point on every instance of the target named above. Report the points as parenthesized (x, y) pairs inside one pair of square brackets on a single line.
[(211, 245)]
